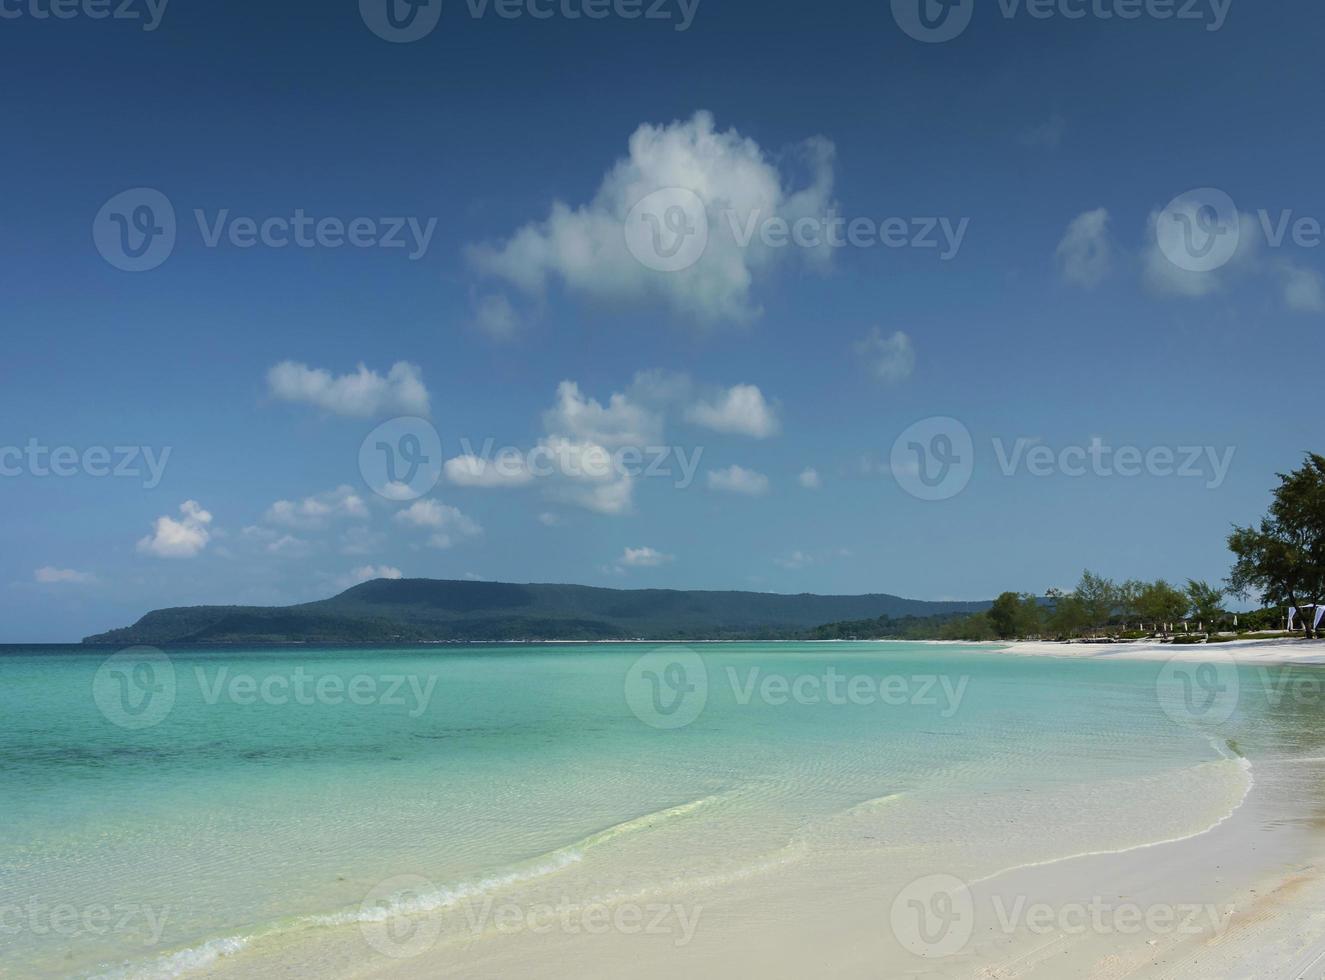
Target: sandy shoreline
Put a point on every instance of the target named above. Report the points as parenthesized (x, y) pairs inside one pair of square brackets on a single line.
[(1235, 898), (1269, 651)]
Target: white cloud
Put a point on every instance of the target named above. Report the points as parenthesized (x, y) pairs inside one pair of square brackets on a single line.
[(495, 316), (367, 573), (359, 540), (1165, 276), (797, 559), (288, 546), (643, 558), (585, 474), (364, 393), (549, 519), (447, 523), (1085, 255), (890, 359), (183, 538), (574, 463), (809, 478), (1304, 289), (50, 575), (621, 422), (737, 479), (505, 469), (585, 247), (740, 410), (317, 510)]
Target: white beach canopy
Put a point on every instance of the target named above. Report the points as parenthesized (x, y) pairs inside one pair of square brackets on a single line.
[(1320, 614)]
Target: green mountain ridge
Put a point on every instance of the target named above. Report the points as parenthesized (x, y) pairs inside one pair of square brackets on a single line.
[(438, 610)]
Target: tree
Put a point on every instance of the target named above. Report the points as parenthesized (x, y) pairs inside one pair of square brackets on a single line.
[(1015, 614), (1003, 615), (1162, 603), (1129, 599), (1030, 616), (1283, 558), (1203, 600), (1068, 617), (1098, 597)]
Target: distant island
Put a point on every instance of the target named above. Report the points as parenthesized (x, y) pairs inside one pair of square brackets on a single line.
[(438, 610)]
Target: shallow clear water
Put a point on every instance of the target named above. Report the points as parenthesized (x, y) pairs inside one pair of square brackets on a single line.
[(161, 812)]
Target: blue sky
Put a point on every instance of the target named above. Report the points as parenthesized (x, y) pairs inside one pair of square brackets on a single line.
[(1057, 143)]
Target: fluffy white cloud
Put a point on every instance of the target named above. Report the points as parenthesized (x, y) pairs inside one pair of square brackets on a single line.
[(495, 316), (737, 479), (505, 469), (367, 573), (364, 393), (621, 422), (890, 359), (182, 538), (741, 410), (319, 509), (643, 558), (359, 540), (50, 575), (1166, 276), (1304, 289), (447, 523), (809, 478), (585, 247), (586, 475), (1085, 255)]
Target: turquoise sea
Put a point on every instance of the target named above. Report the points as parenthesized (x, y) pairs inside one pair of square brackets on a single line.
[(166, 813)]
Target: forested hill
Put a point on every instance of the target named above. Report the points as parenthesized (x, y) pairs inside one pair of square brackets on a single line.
[(412, 610)]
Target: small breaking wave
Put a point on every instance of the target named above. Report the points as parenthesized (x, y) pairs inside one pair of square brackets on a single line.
[(193, 958)]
